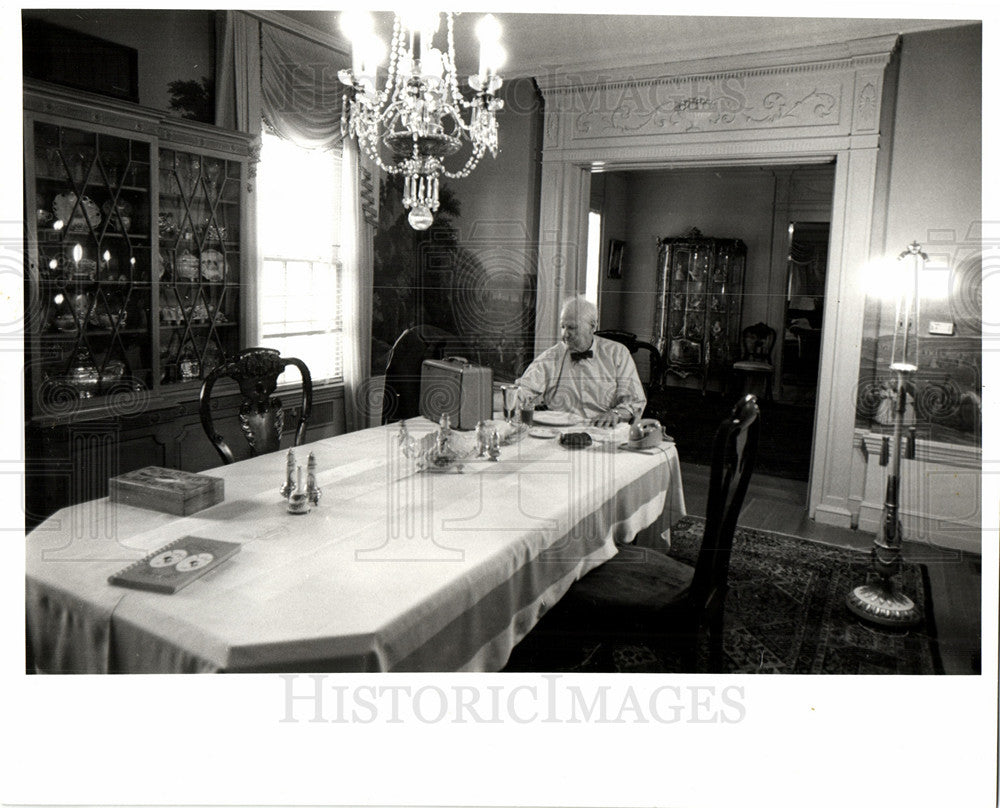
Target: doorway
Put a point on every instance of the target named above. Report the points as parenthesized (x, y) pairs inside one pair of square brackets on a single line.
[(753, 204), (808, 248)]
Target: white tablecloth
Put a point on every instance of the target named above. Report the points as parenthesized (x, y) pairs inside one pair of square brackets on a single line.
[(394, 570)]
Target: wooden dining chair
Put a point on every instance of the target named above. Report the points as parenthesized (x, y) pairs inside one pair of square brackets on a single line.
[(647, 596), (261, 415), (634, 344), (401, 397), (758, 343)]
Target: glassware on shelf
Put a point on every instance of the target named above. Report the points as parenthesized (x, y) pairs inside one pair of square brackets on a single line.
[(119, 216), (190, 367), (171, 312), (166, 224)]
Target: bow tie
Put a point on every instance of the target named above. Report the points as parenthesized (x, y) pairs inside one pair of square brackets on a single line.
[(576, 356)]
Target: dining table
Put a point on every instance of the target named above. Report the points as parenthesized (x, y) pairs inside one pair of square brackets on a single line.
[(397, 567)]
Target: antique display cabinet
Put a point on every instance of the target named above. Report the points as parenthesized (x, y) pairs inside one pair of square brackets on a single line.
[(699, 298)]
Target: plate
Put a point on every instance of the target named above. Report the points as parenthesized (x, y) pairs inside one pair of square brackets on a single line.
[(556, 418), (542, 432), (65, 204)]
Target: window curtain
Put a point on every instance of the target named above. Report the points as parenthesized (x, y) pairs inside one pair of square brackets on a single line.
[(237, 74), (237, 106), (361, 398), (290, 82)]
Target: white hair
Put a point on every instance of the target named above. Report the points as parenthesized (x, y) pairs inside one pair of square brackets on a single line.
[(585, 310)]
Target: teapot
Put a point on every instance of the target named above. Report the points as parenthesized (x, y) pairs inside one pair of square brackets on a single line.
[(83, 376)]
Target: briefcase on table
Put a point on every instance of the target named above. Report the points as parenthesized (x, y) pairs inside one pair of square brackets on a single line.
[(455, 386)]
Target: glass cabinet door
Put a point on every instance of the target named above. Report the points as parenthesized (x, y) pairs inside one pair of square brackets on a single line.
[(88, 327), (198, 263)]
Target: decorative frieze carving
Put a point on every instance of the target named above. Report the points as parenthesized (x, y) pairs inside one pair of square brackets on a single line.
[(725, 104), (814, 107), (834, 97)]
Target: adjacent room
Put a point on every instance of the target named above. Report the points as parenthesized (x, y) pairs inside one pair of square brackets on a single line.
[(502, 342)]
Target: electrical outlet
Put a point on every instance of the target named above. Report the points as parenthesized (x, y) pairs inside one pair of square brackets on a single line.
[(938, 327)]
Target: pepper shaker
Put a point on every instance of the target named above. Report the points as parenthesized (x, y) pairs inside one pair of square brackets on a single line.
[(312, 490)]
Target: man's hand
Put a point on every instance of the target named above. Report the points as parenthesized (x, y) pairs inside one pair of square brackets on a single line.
[(612, 417)]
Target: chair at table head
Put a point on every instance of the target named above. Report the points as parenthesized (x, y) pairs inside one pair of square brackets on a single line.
[(757, 344), (401, 399), (734, 452), (649, 597), (634, 344), (261, 416)]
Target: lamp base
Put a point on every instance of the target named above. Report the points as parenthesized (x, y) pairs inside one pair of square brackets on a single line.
[(880, 603)]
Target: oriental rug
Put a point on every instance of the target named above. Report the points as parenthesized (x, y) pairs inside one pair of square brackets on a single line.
[(785, 613)]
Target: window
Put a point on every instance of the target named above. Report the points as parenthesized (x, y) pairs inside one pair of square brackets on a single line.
[(593, 257), (300, 288)]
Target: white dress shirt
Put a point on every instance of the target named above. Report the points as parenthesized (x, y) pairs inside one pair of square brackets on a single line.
[(587, 387)]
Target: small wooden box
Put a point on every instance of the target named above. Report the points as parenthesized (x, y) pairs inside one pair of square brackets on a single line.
[(168, 490)]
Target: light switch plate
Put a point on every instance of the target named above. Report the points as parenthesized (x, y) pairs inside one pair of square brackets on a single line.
[(938, 327)]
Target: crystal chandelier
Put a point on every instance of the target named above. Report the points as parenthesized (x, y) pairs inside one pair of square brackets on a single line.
[(418, 118)]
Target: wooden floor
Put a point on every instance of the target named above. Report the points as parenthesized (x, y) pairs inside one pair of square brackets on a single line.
[(779, 505)]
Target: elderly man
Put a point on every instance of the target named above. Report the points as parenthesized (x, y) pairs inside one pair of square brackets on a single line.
[(584, 374)]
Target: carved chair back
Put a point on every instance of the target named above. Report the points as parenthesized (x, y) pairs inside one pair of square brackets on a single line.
[(758, 342), (261, 416)]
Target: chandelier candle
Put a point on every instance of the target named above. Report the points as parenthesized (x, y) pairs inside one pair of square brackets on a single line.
[(418, 119)]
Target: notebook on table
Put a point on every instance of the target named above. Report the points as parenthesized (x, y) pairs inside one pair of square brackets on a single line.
[(175, 565)]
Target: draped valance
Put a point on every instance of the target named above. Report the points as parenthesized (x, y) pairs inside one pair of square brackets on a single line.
[(301, 96)]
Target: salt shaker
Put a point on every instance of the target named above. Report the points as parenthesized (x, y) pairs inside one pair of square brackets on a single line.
[(289, 485), (298, 500)]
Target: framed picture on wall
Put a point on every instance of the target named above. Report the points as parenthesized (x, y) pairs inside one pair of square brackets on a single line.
[(616, 253)]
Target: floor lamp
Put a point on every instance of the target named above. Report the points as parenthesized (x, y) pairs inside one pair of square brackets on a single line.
[(880, 601)]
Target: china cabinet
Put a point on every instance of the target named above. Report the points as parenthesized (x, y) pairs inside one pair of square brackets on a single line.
[(699, 298), (133, 255)]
